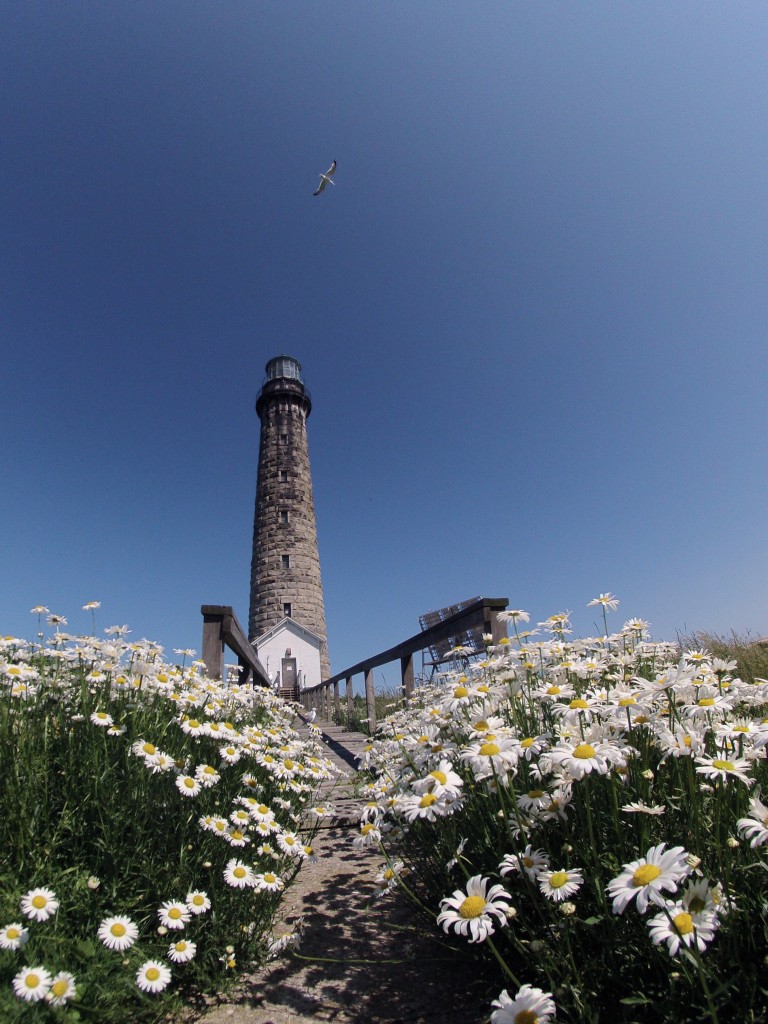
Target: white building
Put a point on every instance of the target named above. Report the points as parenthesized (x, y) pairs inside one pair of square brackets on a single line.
[(290, 653)]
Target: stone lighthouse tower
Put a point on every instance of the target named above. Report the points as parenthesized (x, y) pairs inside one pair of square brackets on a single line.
[(286, 622)]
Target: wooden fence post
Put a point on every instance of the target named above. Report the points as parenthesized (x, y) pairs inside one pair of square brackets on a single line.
[(350, 704), (406, 674), (370, 700), (213, 645), (336, 704)]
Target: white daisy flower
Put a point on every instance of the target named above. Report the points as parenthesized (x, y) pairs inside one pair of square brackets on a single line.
[(530, 1006), (370, 835), (558, 885), (32, 984), (289, 843), (174, 914), (531, 861), (676, 926), (198, 902), (63, 988), (755, 826), (102, 718), (187, 785), (13, 936), (269, 882), (39, 904), (207, 775), (638, 807), (182, 951), (472, 913), (239, 875), (647, 877), (118, 933), (153, 976), (720, 768)]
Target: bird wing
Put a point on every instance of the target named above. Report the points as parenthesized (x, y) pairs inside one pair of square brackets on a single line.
[(331, 170), (321, 186)]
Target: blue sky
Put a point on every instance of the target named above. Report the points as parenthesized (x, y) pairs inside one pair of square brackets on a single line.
[(532, 313)]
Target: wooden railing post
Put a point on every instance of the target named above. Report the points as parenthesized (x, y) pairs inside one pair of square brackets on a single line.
[(213, 645), (406, 674), (370, 700), (350, 703), (336, 704)]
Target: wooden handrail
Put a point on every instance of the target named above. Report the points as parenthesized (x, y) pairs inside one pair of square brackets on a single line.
[(483, 612), (220, 629)]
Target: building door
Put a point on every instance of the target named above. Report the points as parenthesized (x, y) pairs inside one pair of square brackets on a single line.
[(288, 673)]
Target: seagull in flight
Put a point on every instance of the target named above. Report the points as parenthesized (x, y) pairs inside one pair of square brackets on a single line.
[(325, 179)]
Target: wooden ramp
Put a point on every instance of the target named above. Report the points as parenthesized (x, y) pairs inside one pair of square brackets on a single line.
[(342, 749)]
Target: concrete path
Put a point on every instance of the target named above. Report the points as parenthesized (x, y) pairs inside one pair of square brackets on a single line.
[(361, 959)]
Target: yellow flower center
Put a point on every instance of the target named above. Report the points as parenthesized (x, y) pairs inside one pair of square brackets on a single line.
[(270, 878), (193, 723), (578, 702), (461, 691), (152, 974), (189, 782), (706, 702), (59, 988), (558, 879), (13, 933), (198, 901), (528, 862), (262, 809), (696, 905), (32, 980), (686, 741), (289, 764), (645, 874), (441, 777), (553, 691), (527, 742), (118, 930), (490, 749), (473, 906), (535, 794), (526, 1017), (427, 800), (174, 913), (236, 834), (365, 829), (724, 766), (38, 902), (626, 701), (148, 748), (239, 872), (683, 924), (584, 751)]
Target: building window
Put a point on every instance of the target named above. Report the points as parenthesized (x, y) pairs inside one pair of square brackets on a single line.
[(283, 439), (283, 516), (284, 476), (287, 610), (285, 561)]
